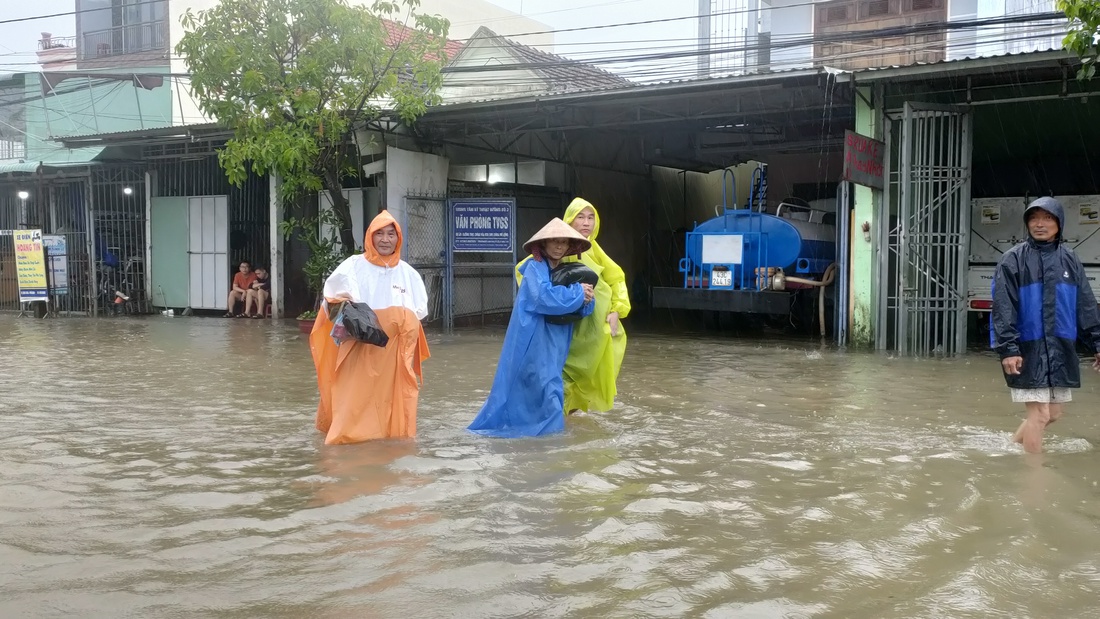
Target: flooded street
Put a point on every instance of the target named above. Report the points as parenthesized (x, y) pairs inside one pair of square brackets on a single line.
[(168, 467)]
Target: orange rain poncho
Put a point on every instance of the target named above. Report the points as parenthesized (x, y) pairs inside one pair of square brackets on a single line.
[(595, 357), (369, 392)]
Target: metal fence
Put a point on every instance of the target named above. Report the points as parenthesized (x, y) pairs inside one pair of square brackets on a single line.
[(68, 218), (425, 229), (924, 270), (102, 218), (13, 215), (59, 209), (118, 229), (130, 39)]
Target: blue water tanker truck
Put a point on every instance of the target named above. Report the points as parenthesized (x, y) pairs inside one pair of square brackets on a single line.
[(751, 261)]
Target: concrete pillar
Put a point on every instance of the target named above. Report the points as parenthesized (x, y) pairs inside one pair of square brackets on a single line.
[(867, 204), (275, 269)]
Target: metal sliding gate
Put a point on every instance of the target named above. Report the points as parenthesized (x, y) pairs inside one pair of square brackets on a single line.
[(925, 274)]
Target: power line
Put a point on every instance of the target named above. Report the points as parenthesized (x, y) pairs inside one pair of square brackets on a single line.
[(17, 20), (522, 34), (651, 21), (800, 41), (89, 112), (482, 22), (663, 70), (839, 37)]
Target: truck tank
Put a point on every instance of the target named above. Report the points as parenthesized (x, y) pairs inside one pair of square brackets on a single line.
[(744, 241)]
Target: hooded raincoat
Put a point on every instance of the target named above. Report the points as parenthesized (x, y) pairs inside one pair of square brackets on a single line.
[(368, 392), (595, 357), (1041, 302), (526, 398)]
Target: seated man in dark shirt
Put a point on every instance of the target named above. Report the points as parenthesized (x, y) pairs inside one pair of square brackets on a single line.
[(258, 293)]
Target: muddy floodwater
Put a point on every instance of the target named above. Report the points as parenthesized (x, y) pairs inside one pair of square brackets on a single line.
[(168, 467)]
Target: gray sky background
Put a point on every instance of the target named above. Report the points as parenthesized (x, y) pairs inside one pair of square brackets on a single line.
[(604, 43), (19, 41)]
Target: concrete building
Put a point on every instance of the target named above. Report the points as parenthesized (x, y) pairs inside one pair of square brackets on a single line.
[(746, 36)]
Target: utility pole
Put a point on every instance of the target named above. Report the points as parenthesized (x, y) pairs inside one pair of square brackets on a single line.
[(704, 38)]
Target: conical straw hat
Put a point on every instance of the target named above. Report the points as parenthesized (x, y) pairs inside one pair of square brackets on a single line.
[(558, 229)]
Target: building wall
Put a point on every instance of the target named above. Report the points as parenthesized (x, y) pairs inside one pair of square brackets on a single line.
[(92, 15), (786, 21), (788, 173), (82, 106), (680, 201), (460, 87), (467, 16), (623, 201), (1003, 39), (732, 25), (839, 16), (679, 207), (412, 173), (791, 20), (134, 35), (13, 126)]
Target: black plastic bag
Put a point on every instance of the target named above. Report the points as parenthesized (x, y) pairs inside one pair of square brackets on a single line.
[(567, 274), (358, 321)]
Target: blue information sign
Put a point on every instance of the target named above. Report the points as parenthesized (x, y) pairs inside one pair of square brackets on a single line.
[(482, 225)]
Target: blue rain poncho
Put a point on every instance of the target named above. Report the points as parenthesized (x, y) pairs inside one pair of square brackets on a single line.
[(527, 397), (1042, 304)]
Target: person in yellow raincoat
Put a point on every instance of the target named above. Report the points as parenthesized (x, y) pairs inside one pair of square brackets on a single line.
[(369, 392), (599, 340)]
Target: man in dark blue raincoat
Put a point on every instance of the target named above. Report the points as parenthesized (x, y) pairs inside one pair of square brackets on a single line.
[(1041, 302)]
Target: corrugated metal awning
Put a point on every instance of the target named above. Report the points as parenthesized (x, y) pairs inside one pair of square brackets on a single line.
[(19, 167), (144, 136), (23, 168)]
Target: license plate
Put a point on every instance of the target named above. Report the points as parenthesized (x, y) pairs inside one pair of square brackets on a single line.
[(721, 279)]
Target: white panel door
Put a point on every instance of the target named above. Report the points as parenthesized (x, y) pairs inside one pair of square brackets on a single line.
[(208, 251)]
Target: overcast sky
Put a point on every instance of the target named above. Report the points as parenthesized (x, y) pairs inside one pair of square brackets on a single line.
[(19, 41)]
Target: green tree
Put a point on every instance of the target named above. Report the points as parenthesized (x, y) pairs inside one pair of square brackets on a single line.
[(1084, 31), (294, 79)]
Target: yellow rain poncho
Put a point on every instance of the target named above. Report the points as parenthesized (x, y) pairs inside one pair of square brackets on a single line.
[(592, 367)]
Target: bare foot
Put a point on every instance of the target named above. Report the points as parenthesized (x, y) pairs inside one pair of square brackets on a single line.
[(1018, 437)]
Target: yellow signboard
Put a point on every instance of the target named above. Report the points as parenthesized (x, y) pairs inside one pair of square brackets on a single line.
[(30, 266)]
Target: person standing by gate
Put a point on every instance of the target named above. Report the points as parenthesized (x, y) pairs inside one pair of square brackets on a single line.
[(1041, 302)]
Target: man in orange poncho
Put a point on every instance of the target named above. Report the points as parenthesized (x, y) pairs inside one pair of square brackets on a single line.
[(368, 392)]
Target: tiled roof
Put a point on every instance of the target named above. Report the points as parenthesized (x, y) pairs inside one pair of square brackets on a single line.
[(562, 74), (396, 33)]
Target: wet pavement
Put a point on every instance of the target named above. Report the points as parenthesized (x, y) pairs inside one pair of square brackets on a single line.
[(168, 467)]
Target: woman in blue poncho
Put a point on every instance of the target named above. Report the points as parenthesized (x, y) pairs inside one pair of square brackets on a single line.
[(527, 396)]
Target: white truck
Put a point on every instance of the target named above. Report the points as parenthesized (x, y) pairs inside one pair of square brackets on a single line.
[(996, 224)]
